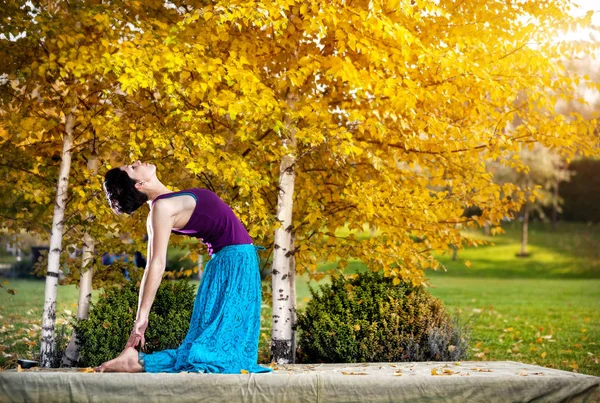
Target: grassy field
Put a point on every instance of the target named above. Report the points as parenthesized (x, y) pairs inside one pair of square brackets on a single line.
[(541, 310)]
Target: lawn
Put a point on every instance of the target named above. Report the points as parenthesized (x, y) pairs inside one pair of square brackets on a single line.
[(544, 309)]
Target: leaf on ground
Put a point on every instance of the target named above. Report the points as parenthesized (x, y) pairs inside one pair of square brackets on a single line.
[(86, 370), (436, 371), (243, 371), (354, 373), (481, 369), (11, 291)]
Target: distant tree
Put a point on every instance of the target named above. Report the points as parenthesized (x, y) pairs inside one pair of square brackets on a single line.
[(536, 181)]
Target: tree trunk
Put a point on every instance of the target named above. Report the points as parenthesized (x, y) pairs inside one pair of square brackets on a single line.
[(524, 230), (283, 279), (486, 228), (292, 285), (555, 205), (71, 357), (49, 315)]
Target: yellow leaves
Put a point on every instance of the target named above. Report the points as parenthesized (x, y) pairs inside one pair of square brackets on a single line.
[(481, 369), (442, 372), (543, 355)]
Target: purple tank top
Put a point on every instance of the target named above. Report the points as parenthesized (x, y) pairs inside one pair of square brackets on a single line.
[(213, 220)]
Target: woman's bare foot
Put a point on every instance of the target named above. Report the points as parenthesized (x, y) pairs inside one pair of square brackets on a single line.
[(127, 361)]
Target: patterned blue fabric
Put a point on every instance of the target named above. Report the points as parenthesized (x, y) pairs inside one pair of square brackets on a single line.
[(225, 324)]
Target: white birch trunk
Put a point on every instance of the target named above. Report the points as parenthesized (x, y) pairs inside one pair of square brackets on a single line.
[(292, 285), (49, 315), (71, 357), (282, 336)]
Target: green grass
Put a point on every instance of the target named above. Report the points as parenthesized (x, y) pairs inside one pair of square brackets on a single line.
[(21, 317), (521, 319), (571, 251), (521, 308)]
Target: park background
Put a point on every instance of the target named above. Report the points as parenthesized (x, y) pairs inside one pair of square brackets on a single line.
[(541, 308)]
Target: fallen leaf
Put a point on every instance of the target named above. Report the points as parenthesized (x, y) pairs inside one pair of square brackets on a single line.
[(86, 370), (449, 372), (243, 371), (543, 355), (354, 373), (481, 369)]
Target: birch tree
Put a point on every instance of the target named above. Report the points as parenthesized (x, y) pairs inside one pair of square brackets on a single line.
[(284, 304), (71, 355), (49, 315)]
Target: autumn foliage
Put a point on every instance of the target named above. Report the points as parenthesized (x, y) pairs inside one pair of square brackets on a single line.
[(393, 108)]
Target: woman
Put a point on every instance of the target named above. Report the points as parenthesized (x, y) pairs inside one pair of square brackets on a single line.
[(225, 323)]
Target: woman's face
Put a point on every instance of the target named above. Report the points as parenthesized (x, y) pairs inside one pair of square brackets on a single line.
[(140, 172)]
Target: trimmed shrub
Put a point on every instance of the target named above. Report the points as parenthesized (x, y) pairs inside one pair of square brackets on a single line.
[(103, 335), (368, 319), (23, 269)]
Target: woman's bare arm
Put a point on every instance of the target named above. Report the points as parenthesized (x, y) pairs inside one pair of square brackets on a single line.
[(160, 223)]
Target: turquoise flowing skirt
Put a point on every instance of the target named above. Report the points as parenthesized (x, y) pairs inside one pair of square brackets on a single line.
[(225, 324)]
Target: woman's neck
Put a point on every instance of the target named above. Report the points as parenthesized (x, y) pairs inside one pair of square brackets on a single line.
[(156, 190)]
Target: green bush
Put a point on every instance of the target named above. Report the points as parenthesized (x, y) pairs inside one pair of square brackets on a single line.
[(103, 335), (176, 262), (368, 319), (23, 269)]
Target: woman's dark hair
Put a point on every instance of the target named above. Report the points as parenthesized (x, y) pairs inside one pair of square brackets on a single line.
[(121, 193)]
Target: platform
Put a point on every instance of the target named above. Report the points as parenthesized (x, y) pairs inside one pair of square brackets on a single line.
[(495, 381)]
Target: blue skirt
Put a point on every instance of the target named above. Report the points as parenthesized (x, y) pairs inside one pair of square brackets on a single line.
[(225, 325)]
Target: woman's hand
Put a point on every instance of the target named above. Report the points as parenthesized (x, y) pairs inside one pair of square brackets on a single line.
[(137, 334)]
